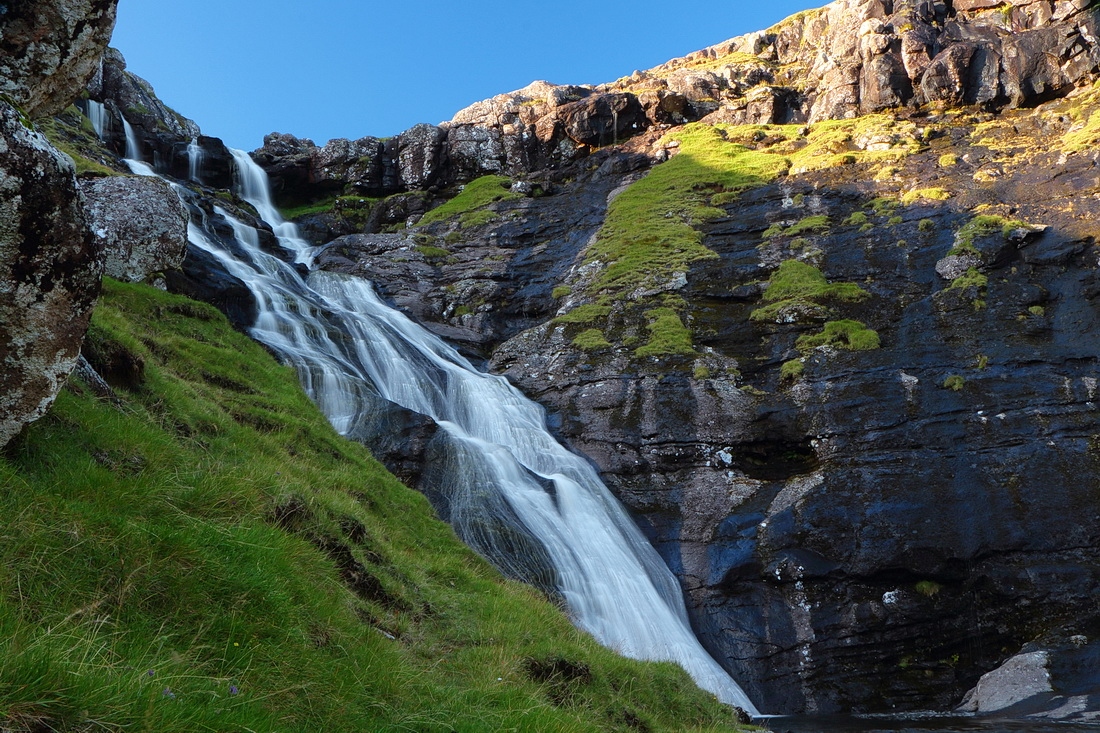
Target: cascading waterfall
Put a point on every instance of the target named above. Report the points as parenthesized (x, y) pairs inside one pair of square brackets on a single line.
[(133, 145), (194, 161), (512, 492), (97, 115)]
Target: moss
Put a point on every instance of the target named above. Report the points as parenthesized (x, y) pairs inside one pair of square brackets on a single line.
[(701, 372), (926, 225), (973, 278), (894, 221), (1037, 311), (477, 194), (1085, 137), (984, 225), (932, 194), (775, 230), (792, 370), (477, 218), (649, 235), (667, 334), (846, 334), (587, 313), (591, 339), (561, 291), (432, 253), (928, 588), (815, 224), (795, 282), (981, 362), (954, 383), (883, 205), (948, 160), (324, 206), (856, 219)]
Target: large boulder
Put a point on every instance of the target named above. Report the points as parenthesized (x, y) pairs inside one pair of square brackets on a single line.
[(49, 49), (50, 271), (139, 222)]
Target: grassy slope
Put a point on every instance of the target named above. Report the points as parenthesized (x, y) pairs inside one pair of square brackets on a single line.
[(186, 561)]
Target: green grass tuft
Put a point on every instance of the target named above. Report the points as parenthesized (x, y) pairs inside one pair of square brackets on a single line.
[(846, 334), (798, 283), (667, 334), (469, 204), (591, 339)]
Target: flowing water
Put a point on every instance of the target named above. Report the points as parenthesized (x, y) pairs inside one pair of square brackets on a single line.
[(510, 490), (194, 161)]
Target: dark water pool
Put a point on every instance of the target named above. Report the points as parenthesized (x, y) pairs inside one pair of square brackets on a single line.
[(919, 724)]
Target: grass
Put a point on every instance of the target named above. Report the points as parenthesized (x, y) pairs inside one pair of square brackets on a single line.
[(584, 314), (476, 195), (68, 133), (650, 234), (796, 283), (929, 194), (847, 334), (972, 278), (983, 225), (792, 370), (667, 334), (591, 339), (211, 555)]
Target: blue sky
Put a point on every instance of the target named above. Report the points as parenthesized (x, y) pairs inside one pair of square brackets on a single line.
[(348, 68)]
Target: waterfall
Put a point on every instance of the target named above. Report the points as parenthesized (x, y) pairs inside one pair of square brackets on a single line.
[(194, 161), (97, 115), (512, 492), (133, 146)]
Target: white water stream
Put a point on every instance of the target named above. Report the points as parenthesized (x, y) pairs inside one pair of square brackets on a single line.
[(514, 494)]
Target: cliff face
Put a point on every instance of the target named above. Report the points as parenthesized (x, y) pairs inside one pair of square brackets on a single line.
[(861, 521), (819, 303)]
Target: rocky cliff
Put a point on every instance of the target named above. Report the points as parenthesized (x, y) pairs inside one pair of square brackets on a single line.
[(837, 354), (819, 302)]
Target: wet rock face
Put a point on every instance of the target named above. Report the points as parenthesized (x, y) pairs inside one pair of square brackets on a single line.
[(163, 134), (50, 269), (49, 49), (139, 223)]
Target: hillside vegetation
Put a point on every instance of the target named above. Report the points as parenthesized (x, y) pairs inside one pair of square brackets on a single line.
[(205, 553)]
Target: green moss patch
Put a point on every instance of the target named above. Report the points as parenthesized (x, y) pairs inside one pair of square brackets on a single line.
[(588, 313), (846, 334), (667, 334), (477, 194), (798, 283), (591, 339)]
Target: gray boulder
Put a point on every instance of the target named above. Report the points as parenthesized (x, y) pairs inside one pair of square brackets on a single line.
[(140, 224), (50, 269), (50, 49)]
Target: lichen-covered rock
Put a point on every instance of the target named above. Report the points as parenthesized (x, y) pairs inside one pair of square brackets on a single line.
[(50, 49), (50, 269), (419, 155), (140, 224)]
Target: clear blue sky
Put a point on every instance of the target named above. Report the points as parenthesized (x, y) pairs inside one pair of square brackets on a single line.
[(349, 68)]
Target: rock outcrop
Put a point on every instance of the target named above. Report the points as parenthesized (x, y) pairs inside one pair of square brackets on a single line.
[(50, 49), (139, 223), (49, 273), (50, 264)]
